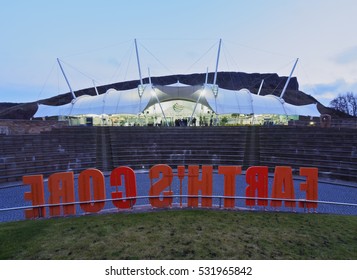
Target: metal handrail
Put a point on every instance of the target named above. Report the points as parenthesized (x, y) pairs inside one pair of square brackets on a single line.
[(305, 201)]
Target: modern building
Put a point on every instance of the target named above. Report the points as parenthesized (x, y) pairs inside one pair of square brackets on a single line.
[(178, 104)]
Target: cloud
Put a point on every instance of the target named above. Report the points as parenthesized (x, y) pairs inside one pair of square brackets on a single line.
[(326, 92), (347, 56)]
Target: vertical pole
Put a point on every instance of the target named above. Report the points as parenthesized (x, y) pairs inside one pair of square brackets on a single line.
[(215, 87), (137, 58), (206, 80), (158, 101), (65, 77), (219, 50), (95, 87), (216, 112), (260, 88), (149, 76), (140, 87), (288, 80), (194, 109)]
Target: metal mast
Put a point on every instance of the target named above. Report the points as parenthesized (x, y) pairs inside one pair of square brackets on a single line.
[(288, 80), (157, 98), (95, 87), (137, 58), (141, 86), (65, 77), (215, 86), (260, 87), (149, 76), (198, 100), (219, 50)]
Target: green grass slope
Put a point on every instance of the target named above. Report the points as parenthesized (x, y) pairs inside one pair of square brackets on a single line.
[(188, 234)]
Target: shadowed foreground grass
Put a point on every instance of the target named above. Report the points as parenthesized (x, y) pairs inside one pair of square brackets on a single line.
[(187, 234)]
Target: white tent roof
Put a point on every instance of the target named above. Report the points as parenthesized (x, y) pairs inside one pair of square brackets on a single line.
[(112, 102), (129, 102), (244, 102)]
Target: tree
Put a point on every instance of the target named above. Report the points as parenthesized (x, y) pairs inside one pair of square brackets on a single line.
[(345, 103)]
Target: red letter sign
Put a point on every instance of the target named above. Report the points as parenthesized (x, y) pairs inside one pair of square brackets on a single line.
[(195, 185), (283, 186), (130, 186), (257, 180), (229, 173), (61, 187), (84, 190), (159, 186), (36, 195), (310, 186)]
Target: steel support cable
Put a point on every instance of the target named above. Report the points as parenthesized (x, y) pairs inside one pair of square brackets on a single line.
[(203, 55), (117, 69), (163, 65), (98, 49), (228, 65), (81, 72), (257, 49), (45, 83), (129, 60)]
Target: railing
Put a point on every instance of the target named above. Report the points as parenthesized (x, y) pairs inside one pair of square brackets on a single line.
[(180, 205)]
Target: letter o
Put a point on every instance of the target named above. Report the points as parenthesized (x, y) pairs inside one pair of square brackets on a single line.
[(85, 179)]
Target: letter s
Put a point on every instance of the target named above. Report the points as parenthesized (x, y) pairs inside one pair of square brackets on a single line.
[(159, 186)]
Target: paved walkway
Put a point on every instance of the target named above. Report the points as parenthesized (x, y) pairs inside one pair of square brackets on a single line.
[(329, 192)]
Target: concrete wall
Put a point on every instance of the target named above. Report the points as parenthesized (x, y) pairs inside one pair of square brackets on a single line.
[(15, 127)]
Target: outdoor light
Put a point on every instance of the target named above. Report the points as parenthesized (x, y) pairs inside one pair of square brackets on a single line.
[(203, 92), (141, 90), (215, 90)]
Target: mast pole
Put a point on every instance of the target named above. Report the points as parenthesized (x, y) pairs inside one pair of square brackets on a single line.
[(215, 86), (138, 60), (162, 110), (219, 51), (65, 77), (206, 80), (157, 99), (149, 76), (141, 86), (95, 87), (260, 88), (288, 80), (198, 100)]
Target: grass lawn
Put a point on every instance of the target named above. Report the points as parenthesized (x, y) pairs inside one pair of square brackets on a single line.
[(183, 234)]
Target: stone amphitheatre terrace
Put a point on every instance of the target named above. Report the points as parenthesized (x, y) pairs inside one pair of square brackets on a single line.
[(46, 151)]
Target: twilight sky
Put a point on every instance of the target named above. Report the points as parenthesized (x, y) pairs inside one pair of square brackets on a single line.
[(95, 41)]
